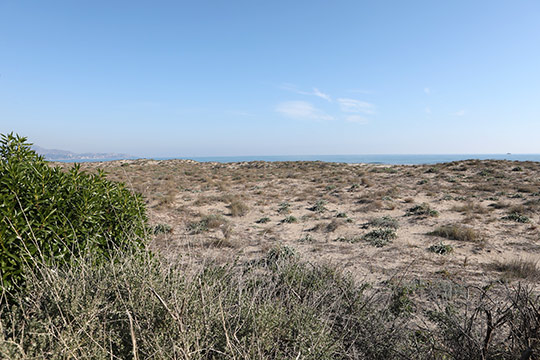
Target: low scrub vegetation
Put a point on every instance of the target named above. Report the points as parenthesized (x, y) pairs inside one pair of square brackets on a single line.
[(142, 307), (384, 222), (422, 210), (517, 217)]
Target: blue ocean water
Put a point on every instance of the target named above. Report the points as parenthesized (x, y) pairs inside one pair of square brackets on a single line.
[(370, 159), (401, 159)]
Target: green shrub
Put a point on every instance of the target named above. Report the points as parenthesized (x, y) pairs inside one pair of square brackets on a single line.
[(380, 237), (384, 222), (289, 220), (48, 215)]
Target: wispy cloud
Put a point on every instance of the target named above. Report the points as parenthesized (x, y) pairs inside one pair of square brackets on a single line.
[(302, 110), (356, 119), (427, 90), (315, 92), (322, 95), (356, 106)]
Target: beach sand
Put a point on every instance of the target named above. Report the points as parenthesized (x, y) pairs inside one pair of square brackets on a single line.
[(224, 213)]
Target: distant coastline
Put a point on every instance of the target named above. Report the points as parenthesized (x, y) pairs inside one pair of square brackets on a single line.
[(396, 159)]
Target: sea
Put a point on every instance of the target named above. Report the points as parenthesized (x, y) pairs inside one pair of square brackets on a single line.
[(385, 159)]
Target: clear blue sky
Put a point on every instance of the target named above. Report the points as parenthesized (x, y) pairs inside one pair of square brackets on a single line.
[(205, 78)]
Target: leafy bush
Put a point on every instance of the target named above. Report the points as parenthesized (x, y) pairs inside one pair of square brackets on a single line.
[(48, 215), (380, 237)]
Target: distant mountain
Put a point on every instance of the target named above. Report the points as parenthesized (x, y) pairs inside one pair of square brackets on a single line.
[(63, 155)]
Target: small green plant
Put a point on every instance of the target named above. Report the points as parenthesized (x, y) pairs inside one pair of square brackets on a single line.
[(319, 206), (289, 220), (380, 237), (263, 220), (441, 249), (517, 217), (342, 215), (422, 210), (284, 208)]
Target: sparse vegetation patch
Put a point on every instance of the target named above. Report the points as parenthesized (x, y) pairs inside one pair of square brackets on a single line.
[(423, 209)]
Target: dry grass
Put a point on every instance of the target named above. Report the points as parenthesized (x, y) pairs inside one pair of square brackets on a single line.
[(519, 268), (458, 232), (238, 208)]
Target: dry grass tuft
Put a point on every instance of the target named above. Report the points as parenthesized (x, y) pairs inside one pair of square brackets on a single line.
[(238, 208), (519, 268), (458, 232)]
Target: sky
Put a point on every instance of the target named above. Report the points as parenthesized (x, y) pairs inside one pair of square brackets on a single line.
[(223, 78)]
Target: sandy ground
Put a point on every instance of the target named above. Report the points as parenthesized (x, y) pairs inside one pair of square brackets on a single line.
[(325, 211)]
